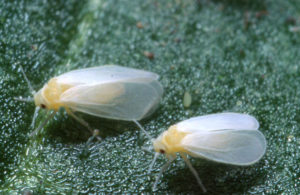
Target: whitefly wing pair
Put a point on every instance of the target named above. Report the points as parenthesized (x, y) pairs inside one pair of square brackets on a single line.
[(108, 91), (229, 138)]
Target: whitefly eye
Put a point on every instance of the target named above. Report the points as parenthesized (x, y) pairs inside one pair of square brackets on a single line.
[(162, 151)]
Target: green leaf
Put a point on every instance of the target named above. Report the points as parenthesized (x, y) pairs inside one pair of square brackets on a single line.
[(230, 55)]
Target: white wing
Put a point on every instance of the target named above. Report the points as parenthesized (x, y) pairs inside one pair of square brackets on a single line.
[(237, 147), (103, 74), (219, 121), (123, 100)]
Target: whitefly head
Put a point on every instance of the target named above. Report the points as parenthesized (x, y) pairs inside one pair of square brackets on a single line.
[(159, 146), (39, 100)]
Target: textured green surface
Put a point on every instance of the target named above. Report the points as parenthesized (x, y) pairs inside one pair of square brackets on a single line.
[(240, 56)]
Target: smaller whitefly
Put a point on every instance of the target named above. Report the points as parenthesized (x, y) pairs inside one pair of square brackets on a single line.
[(229, 138)]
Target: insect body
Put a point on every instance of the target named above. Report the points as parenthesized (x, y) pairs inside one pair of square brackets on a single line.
[(229, 138), (108, 91)]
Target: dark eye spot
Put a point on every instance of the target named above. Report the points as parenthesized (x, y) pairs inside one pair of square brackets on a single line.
[(162, 151), (43, 106)]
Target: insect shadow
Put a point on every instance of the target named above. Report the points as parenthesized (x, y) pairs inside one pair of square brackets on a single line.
[(243, 4), (218, 178), (67, 130)]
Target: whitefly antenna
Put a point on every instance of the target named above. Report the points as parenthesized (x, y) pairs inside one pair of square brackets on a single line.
[(29, 99), (153, 161), (165, 167), (21, 99), (32, 91)]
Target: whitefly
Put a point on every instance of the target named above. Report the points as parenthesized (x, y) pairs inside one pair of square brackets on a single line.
[(108, 91), (229, 138)]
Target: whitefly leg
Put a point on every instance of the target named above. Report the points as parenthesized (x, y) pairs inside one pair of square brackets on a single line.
[(36, 131), (165, 167), (95, 132), (148, 149), (36, 111), (143, 130), (193, 170), (94, 136), (153, 161)]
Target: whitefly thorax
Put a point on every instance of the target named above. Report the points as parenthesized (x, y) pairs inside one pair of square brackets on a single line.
[(169, 142)]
